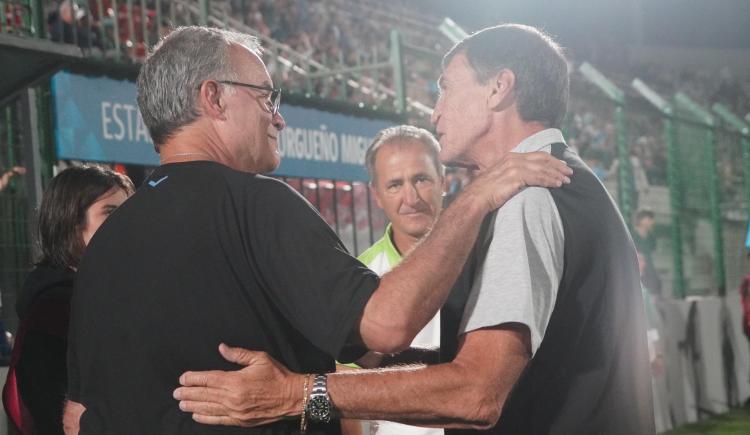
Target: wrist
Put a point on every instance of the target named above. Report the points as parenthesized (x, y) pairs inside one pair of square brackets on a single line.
[(296, 395), (470, 203), (319, 406)]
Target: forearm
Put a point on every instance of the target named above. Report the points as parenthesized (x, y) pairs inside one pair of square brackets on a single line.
[(410, 295), (468, 392), (412, 396), (5, 179)]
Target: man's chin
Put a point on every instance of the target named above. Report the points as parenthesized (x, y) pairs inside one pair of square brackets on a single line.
[(416, 229), (456, 162), (270, 167)]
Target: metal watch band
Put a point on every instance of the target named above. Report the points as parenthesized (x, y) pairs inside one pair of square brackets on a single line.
[(320, 385), (319, 406)]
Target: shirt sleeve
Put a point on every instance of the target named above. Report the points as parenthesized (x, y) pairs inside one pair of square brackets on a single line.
[(307, 272), (520, 276)]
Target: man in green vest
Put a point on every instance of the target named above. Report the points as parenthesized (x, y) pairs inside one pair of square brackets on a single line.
[(407, 181)]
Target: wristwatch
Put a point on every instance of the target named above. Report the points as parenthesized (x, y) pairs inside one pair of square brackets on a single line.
[(319, 406)]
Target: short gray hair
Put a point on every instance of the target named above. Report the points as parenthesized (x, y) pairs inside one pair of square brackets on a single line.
[(542, 82), (170, 77), (400, 133)]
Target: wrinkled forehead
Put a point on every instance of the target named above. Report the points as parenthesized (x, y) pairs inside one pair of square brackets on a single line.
[(458, 69), (403, 146), (248, 65), (397, 144)]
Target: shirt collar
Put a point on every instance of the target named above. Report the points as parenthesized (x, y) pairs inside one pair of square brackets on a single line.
[(391, 251), (539, 140)]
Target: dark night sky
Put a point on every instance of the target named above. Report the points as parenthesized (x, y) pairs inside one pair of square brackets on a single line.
[(689, 23)]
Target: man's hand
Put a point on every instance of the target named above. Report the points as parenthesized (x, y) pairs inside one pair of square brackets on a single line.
[(516, 171), (9, 174), (72, 417), (262, 392)]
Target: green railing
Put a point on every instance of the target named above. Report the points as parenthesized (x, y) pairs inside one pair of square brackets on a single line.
[(24, 130), (689, 165), (15, 240), (124, 30)]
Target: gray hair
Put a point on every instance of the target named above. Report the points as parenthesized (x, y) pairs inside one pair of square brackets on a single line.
[(542, 82), (403, 133), (170, 77)]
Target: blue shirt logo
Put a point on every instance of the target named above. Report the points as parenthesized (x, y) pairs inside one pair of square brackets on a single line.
[(153, 183)]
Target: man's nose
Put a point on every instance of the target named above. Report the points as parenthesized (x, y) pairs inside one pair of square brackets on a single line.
[(435, 116), (411, 196), (278, 121)]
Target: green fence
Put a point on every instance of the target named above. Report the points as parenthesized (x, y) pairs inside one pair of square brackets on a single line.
[(688, 164), (20, 137), (15, 225), (124, 30)]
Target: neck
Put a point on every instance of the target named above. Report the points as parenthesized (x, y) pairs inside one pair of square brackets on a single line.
[(191, 144), (404, 243), (504, 139), (184, 155)]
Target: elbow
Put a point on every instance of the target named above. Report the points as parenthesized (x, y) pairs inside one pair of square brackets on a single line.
[(387, 340), (385, 337), (485, 419), (482, 408), (390, 347)]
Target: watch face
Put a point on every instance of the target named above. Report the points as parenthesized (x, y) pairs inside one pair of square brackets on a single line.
[(319, 408)]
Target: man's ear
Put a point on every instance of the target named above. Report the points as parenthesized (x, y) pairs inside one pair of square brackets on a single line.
[(502, 90), (211, 100)]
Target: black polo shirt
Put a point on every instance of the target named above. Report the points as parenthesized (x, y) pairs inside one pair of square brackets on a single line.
[(200, 255)]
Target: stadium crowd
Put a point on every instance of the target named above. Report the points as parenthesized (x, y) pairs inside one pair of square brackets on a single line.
[(345, 34)]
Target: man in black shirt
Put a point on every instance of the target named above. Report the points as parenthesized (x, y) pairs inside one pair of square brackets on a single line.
[(207, 252)]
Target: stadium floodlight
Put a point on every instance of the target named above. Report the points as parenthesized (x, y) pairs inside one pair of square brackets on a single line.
[(452, 31), (694, 108), (599, 80), (730, 118), (652, 97)]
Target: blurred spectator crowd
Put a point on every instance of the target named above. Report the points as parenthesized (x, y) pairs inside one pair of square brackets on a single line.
[(339, 34)]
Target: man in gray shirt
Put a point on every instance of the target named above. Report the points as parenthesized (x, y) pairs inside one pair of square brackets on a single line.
[(519, 278)]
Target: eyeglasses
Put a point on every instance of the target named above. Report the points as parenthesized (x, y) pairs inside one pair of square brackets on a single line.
[(275, 100)]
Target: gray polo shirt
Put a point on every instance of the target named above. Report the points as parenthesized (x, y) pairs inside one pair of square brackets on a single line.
[(520, 276)]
